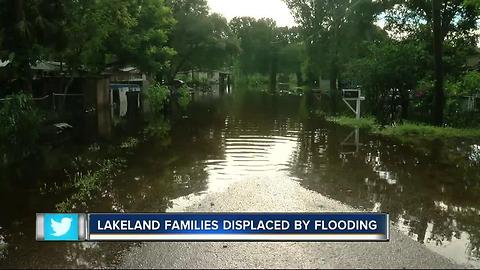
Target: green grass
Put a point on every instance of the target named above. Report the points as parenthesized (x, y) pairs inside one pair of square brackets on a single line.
[(364, 123), (426, 131), (408, 129)]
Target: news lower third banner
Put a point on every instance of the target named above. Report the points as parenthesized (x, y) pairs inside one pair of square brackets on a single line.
[(214, 227)]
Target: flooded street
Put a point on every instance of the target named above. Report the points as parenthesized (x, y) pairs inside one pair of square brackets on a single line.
[(431, 189)]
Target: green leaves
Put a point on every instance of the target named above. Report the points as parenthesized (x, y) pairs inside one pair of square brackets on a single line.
[(333, 31), (20, 122), (28, 30), (121, 31), (409, 19), (184, 97), (157, 97), (144, 44), (258, 43), (201, 40), (466, 85)]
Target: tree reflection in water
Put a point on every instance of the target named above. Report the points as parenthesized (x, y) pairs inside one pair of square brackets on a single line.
[(430, 189)]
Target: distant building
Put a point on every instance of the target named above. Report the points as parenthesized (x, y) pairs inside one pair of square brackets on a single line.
[(119, 98), (126, 85), (218, 80), (127, 75)]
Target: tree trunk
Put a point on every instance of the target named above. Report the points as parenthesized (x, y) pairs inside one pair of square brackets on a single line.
[(299, 78), (22, 69), (65, 93), (333, 87), (393, 106), (404, 102), (439, 95), (273, 75), (312, 79)]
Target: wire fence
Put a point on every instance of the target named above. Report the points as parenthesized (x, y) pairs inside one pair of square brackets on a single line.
[(34, 99), (55, 101)]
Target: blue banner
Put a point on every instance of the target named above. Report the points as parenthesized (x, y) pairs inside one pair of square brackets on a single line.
[(239, 227)]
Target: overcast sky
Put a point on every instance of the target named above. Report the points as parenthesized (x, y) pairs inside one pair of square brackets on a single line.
[(275, 9)]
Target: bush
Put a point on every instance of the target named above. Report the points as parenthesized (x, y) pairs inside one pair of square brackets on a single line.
[(157, 96), (157, 128), (200, 84), (20, 123), (457, 111), (184, 97)]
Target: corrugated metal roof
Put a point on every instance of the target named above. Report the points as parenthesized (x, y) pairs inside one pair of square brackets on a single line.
[(46, 66), (40, 65)]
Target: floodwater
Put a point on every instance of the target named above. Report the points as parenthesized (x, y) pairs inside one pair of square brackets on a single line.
[(430, 189)]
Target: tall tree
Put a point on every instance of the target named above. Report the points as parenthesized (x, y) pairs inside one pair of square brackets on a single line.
[(145, 43), (439, 23), (439, 96), (115, 32), (135, 33), (261, 42), (28, 29), (292, 53), (201, 40), (333, 31), (387, 72)]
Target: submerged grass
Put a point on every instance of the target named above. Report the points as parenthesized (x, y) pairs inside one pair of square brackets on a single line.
[(426, 131), (408, 129), (91, 177), (88, 184), (364, 123)]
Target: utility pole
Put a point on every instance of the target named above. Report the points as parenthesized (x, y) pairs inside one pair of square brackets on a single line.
[(439, 94)]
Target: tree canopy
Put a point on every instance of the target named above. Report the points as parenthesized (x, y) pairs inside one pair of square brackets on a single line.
[(200, 39), (27, 28), (117, 32), (345, 41)]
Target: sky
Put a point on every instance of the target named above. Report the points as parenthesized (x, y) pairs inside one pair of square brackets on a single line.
[(275, 9)]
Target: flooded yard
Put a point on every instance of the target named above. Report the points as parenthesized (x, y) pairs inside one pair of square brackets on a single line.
[(430, 188)]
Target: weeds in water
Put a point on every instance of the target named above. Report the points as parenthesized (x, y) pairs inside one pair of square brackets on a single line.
[(94, 148), (364, 123), (3, 247), (157, 128), (88, 184), (130, 143)]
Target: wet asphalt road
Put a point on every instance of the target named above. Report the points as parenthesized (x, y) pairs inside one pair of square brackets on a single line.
[(280, 194)]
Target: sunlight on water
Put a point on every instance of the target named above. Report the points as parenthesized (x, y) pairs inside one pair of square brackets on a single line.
[(430, 189), (250, 154)]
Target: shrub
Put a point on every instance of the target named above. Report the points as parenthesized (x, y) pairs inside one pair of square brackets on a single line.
[(457, 111), (157, 96), (184, 97), (19, 124), (157, 128)]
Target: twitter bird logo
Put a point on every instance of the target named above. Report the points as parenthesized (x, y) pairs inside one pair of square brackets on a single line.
[(61, 227)]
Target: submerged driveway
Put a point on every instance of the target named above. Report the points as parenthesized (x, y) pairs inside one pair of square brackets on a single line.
[(280, 194)]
